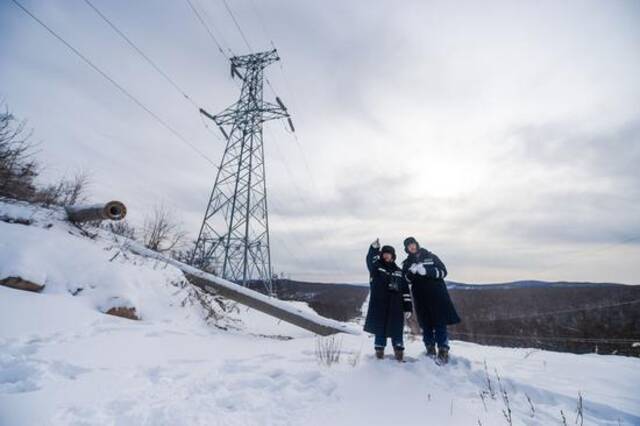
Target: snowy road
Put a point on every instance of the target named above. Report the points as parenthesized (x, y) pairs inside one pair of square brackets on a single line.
[(62, 363)]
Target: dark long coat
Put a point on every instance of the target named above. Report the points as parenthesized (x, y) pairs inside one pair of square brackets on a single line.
[(389, 297), (431, 298)]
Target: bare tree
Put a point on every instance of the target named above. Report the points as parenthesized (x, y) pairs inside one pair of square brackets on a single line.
[(161, 232), (75, 189), (66, 192), (17, 168)]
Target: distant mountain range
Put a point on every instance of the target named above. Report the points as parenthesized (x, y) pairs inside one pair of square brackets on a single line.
[(570, 316), (454, 285), (343, 301)]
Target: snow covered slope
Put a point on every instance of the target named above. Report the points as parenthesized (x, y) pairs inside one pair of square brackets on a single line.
[(110, 272), (54, 253), (64, 362)]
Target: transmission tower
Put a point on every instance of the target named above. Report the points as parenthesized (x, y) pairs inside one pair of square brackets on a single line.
[(234, 237)]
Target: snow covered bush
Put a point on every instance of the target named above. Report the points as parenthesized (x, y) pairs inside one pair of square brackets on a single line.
[(217, 311)]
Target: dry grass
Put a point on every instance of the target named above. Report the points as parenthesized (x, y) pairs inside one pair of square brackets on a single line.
[(328, 350)]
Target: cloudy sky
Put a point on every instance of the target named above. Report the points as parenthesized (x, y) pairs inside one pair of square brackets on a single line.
[(505, 136)]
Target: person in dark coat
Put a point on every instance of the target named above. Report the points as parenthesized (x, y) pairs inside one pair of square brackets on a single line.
[(434, 308), (389, 299)]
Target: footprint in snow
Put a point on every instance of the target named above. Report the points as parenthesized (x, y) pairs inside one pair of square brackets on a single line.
[(19, 376), (67, 370), (239, 366)]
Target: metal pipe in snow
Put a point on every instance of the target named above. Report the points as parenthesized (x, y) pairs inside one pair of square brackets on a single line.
[(113, 210), (276, 308)]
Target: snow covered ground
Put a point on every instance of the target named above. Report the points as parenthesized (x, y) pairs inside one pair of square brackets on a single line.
[(64, 362)]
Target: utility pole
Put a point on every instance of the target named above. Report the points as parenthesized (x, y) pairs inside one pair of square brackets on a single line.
[(233, 242)]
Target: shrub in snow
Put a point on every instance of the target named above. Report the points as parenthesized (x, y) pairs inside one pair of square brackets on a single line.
[(328, 350), (161, 231), (122, 228), (216, 310)]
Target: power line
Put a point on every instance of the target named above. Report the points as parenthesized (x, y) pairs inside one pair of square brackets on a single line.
[(258, 15), (289, 92), (239, 28), (212, 22), (150, 62), (235, 21), (213, 37), (301, 198), (260, 19), (113, 82), (214, 133), (206, 27), (220, 48), (292, 95), (141, 53), (270, 85)]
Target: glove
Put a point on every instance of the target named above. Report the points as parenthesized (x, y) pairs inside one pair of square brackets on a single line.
[(418, 269), (376, 243)]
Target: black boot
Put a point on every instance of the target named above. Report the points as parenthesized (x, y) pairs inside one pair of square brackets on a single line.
[(443, 355), (398, 353), (380, 353), (431, 351)]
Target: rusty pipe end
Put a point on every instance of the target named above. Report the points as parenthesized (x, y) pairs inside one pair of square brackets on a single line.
[(114, 210)]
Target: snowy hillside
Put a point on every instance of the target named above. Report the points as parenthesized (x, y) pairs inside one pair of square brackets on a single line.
[(64, 362)]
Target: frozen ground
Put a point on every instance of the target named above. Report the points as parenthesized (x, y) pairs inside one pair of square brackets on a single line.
[(64, 362)]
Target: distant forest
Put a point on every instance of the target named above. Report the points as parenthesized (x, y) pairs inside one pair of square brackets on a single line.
[(568, 317)]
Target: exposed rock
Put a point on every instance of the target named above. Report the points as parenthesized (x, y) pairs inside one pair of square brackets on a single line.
[(18, 220), (21, 284), (124, 312)]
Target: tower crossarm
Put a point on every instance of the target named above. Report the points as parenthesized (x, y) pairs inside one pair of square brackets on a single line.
[(266, 111)]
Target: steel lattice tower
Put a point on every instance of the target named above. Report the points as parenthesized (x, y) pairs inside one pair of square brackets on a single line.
[(234, 237)]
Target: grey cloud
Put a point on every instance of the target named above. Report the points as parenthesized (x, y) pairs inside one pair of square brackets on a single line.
[(356, 194), (614, 152), (602, 207)]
